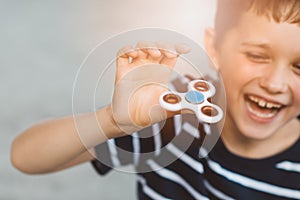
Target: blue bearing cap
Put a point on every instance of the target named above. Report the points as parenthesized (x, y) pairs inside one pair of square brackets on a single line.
[(194, 97)]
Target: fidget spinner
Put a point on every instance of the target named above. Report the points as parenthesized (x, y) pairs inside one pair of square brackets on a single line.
[(195, 99)]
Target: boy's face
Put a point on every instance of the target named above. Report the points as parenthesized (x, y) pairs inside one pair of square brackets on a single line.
[(259, 61)]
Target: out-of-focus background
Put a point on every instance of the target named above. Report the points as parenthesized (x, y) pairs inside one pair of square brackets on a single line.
[(42, 45)]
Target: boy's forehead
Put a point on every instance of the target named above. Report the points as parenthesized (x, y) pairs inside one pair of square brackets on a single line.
[(229, 11), (259, 29)]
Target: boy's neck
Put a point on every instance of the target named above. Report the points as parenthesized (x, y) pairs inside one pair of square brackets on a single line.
[(258, 149)]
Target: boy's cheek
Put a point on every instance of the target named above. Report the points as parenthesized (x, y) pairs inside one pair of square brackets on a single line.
[(298, 106), (297, 100)]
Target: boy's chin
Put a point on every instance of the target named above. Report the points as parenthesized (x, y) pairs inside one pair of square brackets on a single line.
[(258, 136), (258, 133), (256, 128)]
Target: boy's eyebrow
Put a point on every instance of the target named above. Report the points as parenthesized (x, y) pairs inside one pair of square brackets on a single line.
[(263, 45)]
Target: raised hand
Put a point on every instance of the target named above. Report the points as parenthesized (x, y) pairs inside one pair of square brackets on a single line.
[(142, 74)]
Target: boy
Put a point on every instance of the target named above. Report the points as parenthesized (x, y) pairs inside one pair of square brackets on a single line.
[(254, 47)]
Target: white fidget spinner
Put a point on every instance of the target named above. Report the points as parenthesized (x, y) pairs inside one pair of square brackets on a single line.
[(195, 99)]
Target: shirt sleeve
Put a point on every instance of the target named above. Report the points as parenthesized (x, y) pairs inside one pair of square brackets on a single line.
[(133, 149), (113, 153)]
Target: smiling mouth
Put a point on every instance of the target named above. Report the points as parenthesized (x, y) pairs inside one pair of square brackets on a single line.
[(262, 108)]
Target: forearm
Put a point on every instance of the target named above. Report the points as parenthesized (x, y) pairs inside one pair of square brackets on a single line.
[(49, 145)]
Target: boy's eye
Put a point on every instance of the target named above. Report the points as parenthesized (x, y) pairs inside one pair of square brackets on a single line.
[(296, 68), (255, 57)]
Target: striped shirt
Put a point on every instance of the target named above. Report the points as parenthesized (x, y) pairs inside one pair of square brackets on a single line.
[(170, 164)]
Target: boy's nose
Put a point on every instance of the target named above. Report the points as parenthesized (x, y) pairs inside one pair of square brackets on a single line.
[(274, 81)]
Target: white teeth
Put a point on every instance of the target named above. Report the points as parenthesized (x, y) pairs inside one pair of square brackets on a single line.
[(261, 115), (262, 103), (272, 105), (269, 105)]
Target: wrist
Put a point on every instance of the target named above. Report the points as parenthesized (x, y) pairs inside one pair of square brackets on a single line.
[(107, 123)]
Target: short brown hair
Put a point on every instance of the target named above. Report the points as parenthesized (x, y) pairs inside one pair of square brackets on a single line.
[(229, 11)]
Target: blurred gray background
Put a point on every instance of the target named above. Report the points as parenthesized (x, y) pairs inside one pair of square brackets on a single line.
[(42, 45)]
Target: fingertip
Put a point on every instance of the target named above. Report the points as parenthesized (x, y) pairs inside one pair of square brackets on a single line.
[(170, 54), (182, 48), (154, 52), (133, 53)]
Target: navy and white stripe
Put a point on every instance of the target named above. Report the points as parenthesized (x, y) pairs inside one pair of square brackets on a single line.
[(173, 162), (247, 182), (221, 175), (289, 166)]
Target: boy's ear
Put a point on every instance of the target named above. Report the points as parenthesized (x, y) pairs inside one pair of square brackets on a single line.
[(210, 45)]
